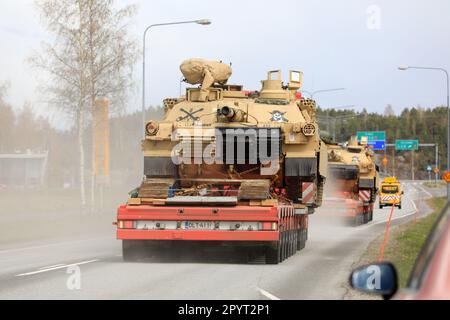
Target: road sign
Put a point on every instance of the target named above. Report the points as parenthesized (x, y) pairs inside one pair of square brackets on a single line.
[(372, 135), (446, 176), (429, 168), (376, 140), (406, 145), (376, 145)]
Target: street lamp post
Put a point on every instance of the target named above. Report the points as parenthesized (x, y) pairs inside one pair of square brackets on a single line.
[(313, 93), (404, 68), (203, 22)]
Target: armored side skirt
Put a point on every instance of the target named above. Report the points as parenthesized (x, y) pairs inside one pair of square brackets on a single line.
[(300, 167), (159, 167), (345, 172), (366, 183)]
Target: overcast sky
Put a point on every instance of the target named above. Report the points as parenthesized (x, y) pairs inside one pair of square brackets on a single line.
[(355, 44)]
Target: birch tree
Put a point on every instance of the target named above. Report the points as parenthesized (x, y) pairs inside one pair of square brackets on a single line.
[(91, 55)]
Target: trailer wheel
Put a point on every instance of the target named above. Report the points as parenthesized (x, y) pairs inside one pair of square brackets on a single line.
[(280, 249), (295, 241), (286, 245), (366, 217), (132, 250), (302, 239), (273, 253), (291, 243), (359, 220), (400, 206), (381, 206)]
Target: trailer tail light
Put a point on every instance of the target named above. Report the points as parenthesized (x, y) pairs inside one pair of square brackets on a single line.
[(126, 224), (269, 226)]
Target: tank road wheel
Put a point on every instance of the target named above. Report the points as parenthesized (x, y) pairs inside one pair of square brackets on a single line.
[(319, 194)]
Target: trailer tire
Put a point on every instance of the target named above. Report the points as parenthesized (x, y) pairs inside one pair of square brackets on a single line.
[(366, 217), (285, 246), (132, 250), (273, 253), (295, 241), (291, 243), (302, 239)]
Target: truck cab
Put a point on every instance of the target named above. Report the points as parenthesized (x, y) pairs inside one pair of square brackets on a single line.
[(390, 193)]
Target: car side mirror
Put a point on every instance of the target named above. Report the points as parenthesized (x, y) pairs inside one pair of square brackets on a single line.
[(377, 278)]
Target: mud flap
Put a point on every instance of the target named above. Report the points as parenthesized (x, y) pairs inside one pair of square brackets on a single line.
[(159, 167)]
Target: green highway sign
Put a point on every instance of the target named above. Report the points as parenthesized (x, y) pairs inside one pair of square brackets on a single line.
[(376, 140), (372, 135), (405, 145)]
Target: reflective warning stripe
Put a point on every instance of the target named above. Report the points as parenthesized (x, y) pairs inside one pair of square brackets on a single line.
[(389, 198), (364, 195), (308, 192)]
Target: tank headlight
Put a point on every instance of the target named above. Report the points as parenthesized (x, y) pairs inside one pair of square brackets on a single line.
[(152, 128), (355, 159), (309, 129)]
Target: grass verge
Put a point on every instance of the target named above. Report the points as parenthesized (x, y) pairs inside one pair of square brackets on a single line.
[(405, 242), (434, 185)]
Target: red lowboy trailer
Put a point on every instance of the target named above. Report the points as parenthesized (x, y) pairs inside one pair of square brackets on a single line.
[(276, 231)]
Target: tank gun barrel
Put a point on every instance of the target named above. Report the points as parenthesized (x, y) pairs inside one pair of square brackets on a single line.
[(231, 114)]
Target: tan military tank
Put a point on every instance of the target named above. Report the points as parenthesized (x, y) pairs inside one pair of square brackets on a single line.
[(353, 181), (254, 154)]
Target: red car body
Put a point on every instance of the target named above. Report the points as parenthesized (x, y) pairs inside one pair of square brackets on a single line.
[(430, 278)]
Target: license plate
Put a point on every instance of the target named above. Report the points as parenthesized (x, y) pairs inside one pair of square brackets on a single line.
[(198, 225)]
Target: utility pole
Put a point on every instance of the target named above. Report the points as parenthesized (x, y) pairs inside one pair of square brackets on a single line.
[(403, 68), (437, 162), (393, 162)]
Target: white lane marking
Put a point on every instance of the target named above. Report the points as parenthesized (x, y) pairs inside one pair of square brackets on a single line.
[(268, 294), (423, 189), (398, 217), (56, 268), (52, 245), (394, 218), (49, 267), (414, 205)]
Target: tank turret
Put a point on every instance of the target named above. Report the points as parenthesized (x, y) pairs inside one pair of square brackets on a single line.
[(220, 136)]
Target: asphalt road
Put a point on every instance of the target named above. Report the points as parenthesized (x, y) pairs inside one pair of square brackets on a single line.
[(320, 271)]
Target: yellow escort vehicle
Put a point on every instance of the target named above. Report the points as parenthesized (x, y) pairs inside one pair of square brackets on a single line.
[(390, 193)]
